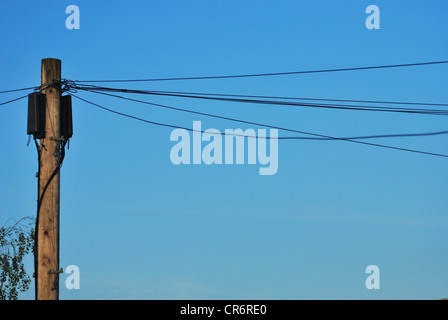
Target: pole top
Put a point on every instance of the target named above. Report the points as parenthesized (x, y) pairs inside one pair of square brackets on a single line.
[(51, 63), (49, 59)]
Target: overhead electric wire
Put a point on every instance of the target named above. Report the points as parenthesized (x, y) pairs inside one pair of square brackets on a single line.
[(399, 135), (291, 130), (15, 90), (305, 99), (152, 122), (272, 102), (129, 116), (6, 102), (262, 125), (273, 73)]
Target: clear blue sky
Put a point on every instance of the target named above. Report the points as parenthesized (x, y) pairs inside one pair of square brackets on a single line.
[(140, 227)]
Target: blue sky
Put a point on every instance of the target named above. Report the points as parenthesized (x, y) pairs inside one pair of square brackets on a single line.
[(140, 227)]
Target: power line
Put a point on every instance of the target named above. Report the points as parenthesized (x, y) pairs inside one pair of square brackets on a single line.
[(291, 130), (6, 102), (263, 125), (293, 138), (144, 120), (15, 90), (303, 98), (129, 116), (402, 135), (277, 102), (274, 73)]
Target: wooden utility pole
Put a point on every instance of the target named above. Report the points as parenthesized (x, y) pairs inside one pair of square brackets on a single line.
[(47, 277)]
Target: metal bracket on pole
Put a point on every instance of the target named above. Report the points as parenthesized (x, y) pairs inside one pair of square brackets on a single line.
[(56, 153), (56, 282), (55, 271), (60, 139)]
